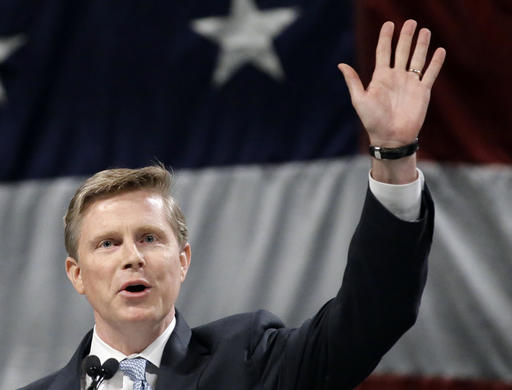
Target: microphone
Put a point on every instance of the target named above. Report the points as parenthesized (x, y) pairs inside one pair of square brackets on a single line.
[(98, 373), (109, 368), (91, 365)]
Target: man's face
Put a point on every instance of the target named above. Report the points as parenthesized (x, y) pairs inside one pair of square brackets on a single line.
[(129, 265)]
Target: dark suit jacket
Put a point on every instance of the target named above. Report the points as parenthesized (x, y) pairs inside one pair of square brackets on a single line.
[(336, 349)]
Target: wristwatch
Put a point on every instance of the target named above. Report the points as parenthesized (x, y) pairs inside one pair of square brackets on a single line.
[(393, 153)]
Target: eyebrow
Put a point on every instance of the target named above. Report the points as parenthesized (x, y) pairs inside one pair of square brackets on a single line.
[(102, 236), (153, 229), (115, 233)]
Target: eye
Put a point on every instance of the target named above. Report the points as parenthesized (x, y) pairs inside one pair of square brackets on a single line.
[(149, 238), (106, 244)]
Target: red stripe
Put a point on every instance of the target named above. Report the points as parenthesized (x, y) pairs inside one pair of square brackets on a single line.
[(395, 382), (470, 116)]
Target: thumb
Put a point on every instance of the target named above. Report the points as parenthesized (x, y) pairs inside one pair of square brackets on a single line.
[(354, 84)]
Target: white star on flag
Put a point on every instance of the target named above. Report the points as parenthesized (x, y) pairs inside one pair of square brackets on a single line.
[(245, 36), (7, 46)]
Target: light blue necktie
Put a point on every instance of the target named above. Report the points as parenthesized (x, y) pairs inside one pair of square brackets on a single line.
[(136, 370)]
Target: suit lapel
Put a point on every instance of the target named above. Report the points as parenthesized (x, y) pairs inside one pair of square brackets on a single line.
[(69, 377), (183, 359)]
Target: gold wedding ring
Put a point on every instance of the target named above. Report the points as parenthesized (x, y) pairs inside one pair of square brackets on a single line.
[(417, 71)]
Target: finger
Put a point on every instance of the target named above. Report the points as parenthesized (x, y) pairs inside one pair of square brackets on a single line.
[(420, 51), (434, 67), (383, 51), (354, 84), (403, 46)]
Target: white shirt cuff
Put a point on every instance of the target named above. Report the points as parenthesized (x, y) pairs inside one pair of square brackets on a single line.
[(402, 200)]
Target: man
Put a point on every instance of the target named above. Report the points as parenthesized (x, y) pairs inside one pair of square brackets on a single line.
[(129, 253)]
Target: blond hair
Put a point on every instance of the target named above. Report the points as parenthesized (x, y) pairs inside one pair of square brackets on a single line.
[(115, 181)]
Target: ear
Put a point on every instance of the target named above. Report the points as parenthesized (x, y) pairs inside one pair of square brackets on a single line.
[(74, 274), (185, 256)]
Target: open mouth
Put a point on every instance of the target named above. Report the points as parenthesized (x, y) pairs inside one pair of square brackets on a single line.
[(136, 288)]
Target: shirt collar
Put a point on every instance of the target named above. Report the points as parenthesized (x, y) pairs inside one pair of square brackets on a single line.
[(153, 352)]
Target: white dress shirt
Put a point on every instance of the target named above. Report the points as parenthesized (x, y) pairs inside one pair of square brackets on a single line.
[(152, 353), (404, 201)]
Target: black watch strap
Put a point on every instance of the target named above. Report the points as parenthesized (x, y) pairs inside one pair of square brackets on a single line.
[(393, 153)]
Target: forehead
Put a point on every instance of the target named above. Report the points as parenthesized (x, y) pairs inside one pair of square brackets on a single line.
[(138, 205)]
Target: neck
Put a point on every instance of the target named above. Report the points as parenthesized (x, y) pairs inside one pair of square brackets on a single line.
[(132, 338)]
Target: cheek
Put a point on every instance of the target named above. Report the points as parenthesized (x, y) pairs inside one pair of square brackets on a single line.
[(96, 278), (170, 276)]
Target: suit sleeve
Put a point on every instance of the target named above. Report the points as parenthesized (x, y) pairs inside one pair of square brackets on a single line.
[(377, 303)]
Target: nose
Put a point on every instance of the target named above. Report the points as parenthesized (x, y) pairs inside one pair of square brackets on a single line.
[(132, 257)]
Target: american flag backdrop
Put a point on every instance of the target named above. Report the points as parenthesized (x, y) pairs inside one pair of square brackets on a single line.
[(243, 99)]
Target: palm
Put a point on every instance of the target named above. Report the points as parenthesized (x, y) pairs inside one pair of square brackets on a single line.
[(394, 105)]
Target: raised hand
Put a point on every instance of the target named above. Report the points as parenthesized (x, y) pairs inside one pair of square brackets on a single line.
[(394, 105)]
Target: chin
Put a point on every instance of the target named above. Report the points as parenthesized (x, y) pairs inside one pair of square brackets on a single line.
[(139, 316)]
